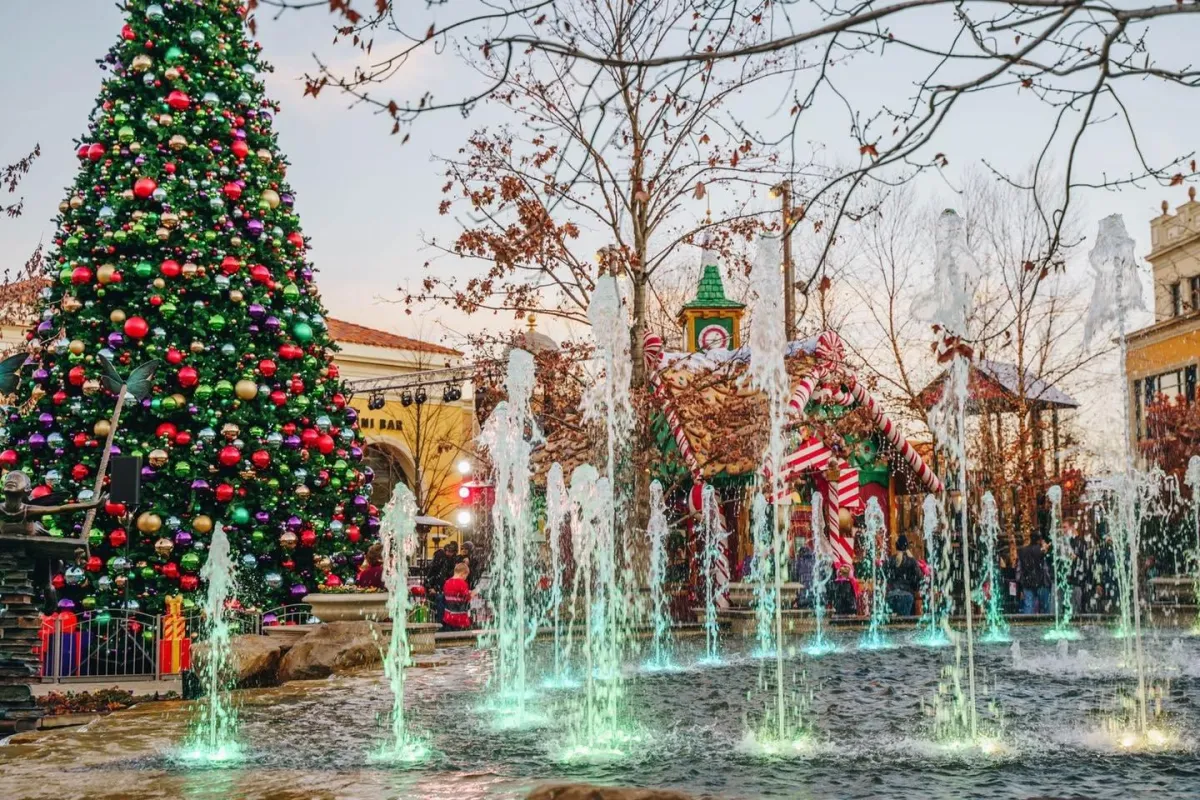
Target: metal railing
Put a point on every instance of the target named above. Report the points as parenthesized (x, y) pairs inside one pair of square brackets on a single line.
[(294, 614)]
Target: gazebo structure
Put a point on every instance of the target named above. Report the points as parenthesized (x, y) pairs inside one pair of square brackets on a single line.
[(1012, 409)]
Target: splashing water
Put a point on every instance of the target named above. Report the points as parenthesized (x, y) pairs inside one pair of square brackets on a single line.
[(598, 726), (875, 638), (557, 511), (1192, 479), (995, 626), (214, 734), (712, 534), (660, 614), (397, 534), (1063, 608), (822, 572), (509, 436), (768, 373), (931, 627), (762, 576)]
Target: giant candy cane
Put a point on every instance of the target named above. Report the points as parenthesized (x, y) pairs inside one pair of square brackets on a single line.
[(652, 353), (931, 481)]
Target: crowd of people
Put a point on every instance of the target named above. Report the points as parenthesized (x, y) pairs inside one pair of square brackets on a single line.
[(448, 583)]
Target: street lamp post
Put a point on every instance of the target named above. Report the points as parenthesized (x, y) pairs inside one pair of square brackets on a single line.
[(784, 192)]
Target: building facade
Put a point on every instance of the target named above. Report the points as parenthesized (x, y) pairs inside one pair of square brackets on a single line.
[(1162, 358)]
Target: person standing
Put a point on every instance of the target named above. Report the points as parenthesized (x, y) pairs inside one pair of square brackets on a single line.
[(441, 567), (456, 596), (904, 579), (370, 576), (1033, 576)]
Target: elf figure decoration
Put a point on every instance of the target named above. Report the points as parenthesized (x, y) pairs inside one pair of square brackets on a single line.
[(179, 243)]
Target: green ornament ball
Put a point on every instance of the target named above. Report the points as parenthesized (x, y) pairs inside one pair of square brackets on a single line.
[(303, 332)]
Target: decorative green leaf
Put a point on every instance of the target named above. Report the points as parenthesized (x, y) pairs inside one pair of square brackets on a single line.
[(141, 380), (10, 369), (111, 378)]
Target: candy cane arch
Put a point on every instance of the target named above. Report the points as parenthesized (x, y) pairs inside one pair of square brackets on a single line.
[(652, 355), (931, 481)]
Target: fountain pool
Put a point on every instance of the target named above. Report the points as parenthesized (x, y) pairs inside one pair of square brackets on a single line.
[(869, 711)]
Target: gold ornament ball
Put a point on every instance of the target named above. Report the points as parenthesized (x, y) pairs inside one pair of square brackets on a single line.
[(303, 492), (230, 431), (196, 347), (102, 427), (270, 197), (135, 147), (163, 234), (141, 62), (91, 386), (158, 283), (235, 241), (127, 194), (246, 389), (202, 524), (177, 142), (287, 540), (189, 270), (180, 400), (149, 522), (163, 547), (71, 304), (170, 219), (236, 296), (171, 74), (76, 202), (324, 563), (165, 120), (845, 521), (117, 316), (158, 458), (105, 274), (120, 581), (264, 156), (76, 347), (64, 207)]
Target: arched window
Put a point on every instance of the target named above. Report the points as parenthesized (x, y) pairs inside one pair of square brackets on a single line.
[(390, 466)]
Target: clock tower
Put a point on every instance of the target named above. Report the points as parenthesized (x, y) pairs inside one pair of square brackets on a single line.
[(710, 320)]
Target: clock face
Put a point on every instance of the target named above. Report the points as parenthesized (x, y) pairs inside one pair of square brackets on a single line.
[(713, 337)]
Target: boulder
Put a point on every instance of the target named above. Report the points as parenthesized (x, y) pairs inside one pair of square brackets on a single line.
[(255, 657), (582, 791), (329, 648)]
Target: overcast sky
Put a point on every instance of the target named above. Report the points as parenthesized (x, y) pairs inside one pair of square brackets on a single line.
[(366, 200)]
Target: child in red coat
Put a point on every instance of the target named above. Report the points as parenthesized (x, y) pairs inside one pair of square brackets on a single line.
[(458, 599)]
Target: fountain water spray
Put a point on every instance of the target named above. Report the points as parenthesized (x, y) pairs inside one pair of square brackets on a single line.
[(931, 627), (874, 638), (1118, 291), (1063, 608), (768, 373), (214, 734), (762, 576), (598, 727), (822, 571), (712, 534), (995, 626), (557, 511), (509, 436), (955, 277), (397, 534), (1192, 479), (660, 614)]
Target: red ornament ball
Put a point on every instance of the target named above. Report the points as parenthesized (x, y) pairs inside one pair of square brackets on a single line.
[(353, 533), (230, 265), (95, 151), (325, 444), (118, 538), (334, 371), (40, 491), (144, 187), (79, 472), (261, 459), (189, 583), (166, 430), (183, 438), (170, 268), (8, 458), (170, 571), (240, 148), (81, 276), (267, 368), (127, 33), (260, 274), (82, 151), (229, 456), (308, 538), (188, 377), (296, 240), (224, 492), (174, 355), (114, 509), (232, 190), (309, 437), (278, 397), (178, 100), (332, 580), (75, 375), (94, 564), (58, 581), (136, 327)]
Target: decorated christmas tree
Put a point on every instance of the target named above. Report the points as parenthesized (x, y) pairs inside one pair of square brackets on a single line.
[(179, 242)]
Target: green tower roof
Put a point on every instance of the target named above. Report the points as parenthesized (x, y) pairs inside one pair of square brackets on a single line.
[(710, 293)]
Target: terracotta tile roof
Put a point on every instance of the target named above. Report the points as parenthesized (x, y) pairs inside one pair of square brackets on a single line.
[(348, 332)]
